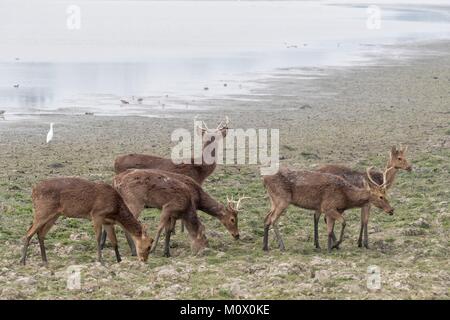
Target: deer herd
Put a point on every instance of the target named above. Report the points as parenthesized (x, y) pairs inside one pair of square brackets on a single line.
[(146, 181)]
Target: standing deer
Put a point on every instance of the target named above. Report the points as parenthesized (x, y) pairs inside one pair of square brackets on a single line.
[(397, 160), (179, 197), (322, 192), (197, 170), (79, 198)]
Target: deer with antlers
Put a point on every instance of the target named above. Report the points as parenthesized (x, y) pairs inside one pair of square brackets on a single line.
[(397, 161), (322, 192), (197, 169), (179, 197), (79, 198)]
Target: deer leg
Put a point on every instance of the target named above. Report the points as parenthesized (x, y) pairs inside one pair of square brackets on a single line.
[(267, 223), (42, 232), (316, 229), (182, 226), (271, 218), (332, 216), (103, 241), (113, 239), (131, 244), (163, 221), (341, 237), (173, 224), (30, 233), (330, 223), (158, 234), (278, 236), (169, 229), (98, 235), (366, 211)]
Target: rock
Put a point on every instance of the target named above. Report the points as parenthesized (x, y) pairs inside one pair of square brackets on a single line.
[(170, 273), (221, 254), (322, 275), (174, 289), (27, 281), (421, 223)]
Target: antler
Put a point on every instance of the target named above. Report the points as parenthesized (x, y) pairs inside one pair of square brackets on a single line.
[(384, 185), (236, 203), (370, 177), (239, 202), (221, 126)]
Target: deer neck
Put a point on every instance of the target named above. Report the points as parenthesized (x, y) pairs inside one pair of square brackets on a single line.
[(358, 197), (210, 206), (390, 175), (129, 222)]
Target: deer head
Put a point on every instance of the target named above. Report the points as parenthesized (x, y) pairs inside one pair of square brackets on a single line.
[(230, 216), (143, 245), (397, 158), (377, 192), (210, 135)]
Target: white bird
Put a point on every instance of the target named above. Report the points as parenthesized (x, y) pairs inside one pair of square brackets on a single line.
[(50, 133)]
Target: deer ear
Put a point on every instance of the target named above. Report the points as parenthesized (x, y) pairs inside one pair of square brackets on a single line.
[(404, 149), (393, 150)]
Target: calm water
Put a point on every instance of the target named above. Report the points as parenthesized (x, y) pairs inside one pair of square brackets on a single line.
[(173, 54)]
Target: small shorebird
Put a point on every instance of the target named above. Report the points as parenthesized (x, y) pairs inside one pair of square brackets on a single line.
[(2, 112), (16, 85), (139, 100), (50, 133), (124, 101)]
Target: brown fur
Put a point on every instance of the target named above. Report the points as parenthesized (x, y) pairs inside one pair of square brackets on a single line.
[(179, 197), (397, 161), (79, 198), (322, 192)]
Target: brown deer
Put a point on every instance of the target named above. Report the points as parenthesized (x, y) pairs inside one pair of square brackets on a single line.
[(322, 192), (179, 197), (397, 161), (78, 198), (197, 170)]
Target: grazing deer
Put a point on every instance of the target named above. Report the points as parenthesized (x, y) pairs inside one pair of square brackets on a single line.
[(322, 192), (79, 198), (179, 197), (197, 170), (397, 160)]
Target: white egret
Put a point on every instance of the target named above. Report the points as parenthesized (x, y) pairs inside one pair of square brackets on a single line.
[(50, 133)]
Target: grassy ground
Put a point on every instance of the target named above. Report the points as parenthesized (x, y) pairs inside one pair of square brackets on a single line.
[(352, 116)]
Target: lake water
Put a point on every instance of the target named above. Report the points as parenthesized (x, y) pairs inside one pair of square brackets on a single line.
[(57, 58)]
